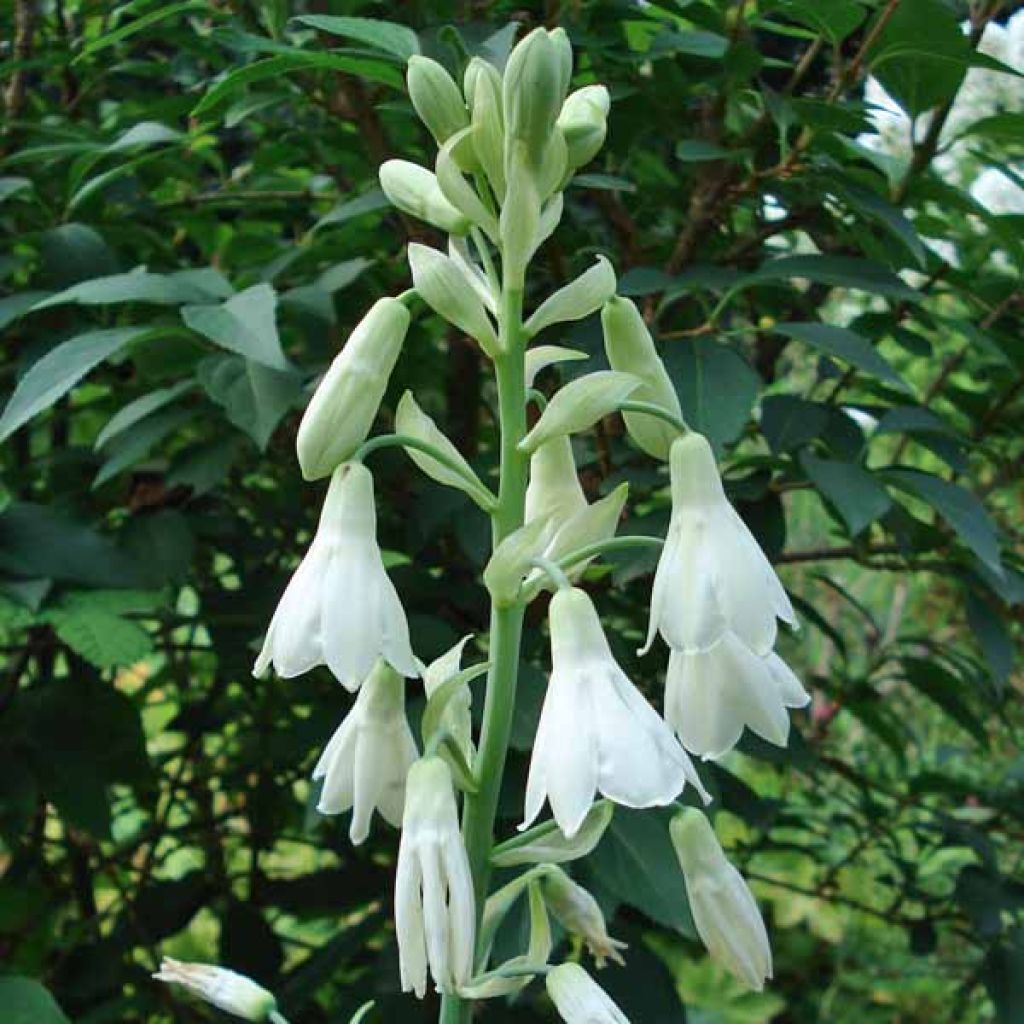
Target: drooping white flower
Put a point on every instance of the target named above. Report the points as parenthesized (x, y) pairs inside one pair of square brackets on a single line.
[(367, 759), (579, 999), (435, 910), (227, 990), (723, 907), (597, 733), (710, 696), (578, 912), (340, 609), (712, 576)]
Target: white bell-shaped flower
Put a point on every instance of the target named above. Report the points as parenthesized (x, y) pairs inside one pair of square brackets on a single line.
[(723, 907), (367, 759), (227, 990), (579, 999), (435, 910), (597, 733), (712, 576), (712, 695), (340, 609)]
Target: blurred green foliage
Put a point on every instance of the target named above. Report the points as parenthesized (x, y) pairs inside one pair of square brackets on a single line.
[(189, 195)]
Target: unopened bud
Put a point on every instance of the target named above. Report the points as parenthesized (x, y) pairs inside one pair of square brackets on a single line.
[(436, 98), (578, 299), (458, 191), (343, 407), (578, 912), (483, 93), (533, 90), (416, 191), (444, 287), (630, 348), (579, 405), (723, 907), (579, 999), (227, 990), (584, 123)]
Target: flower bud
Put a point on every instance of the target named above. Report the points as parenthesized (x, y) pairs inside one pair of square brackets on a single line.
[(578, 912), (553, 494), (578, 299), (533, 89), (444, 287), (563, 49), (584, 123), (520, 218), (579, 405), (483, 92), (343, 407), (416, 191), (579, 999), (436, 98), (723, 907), (630, 348), (227, 990), (410, 419)]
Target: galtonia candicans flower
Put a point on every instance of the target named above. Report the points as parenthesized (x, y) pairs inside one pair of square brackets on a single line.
[(723, 907), (712, 695), (597, 733), (365, 764), (712, 578), (579, 999), (435, 909), (340, 609), (578, 912), (227, 990)]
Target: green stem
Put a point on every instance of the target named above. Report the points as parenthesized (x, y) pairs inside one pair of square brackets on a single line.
[(506, 622), (650, 409), (605, 547), (553, 571)]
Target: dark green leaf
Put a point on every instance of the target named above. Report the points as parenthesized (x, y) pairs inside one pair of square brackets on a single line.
[(840, 271), (245, 324), (25, 1001), (789, 422), (846, 345), (856, 494), (384, 35)]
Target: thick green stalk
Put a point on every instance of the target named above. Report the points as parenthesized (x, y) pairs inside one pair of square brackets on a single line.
[(506, 621)]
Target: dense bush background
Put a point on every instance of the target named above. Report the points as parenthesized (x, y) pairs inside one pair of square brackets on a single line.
[(189, 196)]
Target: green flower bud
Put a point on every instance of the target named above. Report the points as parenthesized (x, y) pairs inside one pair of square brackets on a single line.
[(436, 98), (533, 90), (415, 190), (579, 405), (578, 912), (444, 287), (563, 48), (630, 348), (578, 299), (584, 123), (343, 407), (520, 218), (483, 92)]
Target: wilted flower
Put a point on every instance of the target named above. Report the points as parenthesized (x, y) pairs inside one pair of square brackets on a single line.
[(340, 609), (577, 912), (712, 577), (435, 910), (723, 907), (365, 764), (711, 695), (343, 407), (579, 999), (596, 731), (227, 990)]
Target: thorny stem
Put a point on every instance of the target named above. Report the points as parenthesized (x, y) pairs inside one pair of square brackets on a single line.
[(506, 621)]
